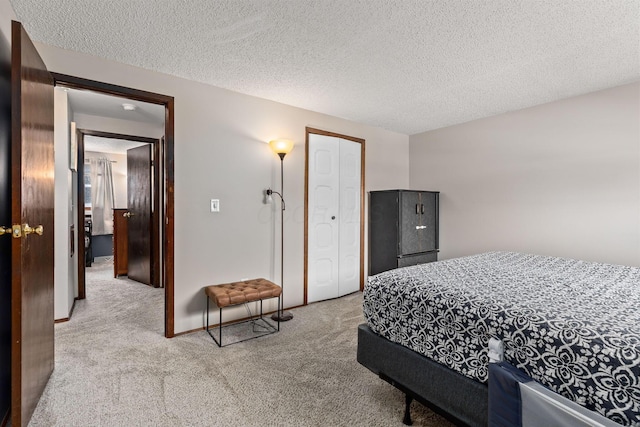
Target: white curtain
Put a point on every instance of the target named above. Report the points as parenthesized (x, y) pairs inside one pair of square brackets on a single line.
[(102, 198)]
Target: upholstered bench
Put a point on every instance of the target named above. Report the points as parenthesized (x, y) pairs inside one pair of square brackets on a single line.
[(236, 293)]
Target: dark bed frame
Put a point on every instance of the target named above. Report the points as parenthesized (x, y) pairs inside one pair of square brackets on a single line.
[(460, 399)]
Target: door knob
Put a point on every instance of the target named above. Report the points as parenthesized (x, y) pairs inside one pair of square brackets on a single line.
[(127, 214), (18, 230), (29, 230), (333, 217)]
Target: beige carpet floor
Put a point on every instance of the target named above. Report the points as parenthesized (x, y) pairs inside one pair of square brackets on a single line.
[(115, 368)]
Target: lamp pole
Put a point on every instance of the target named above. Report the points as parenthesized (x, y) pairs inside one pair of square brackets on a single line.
[(281, 315), (281, 147)]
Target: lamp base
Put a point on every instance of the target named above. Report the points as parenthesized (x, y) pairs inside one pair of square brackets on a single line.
[(283, 316)]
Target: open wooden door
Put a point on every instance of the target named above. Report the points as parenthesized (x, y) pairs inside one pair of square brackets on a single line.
[(32, 199), (139, 206), (5, 239)]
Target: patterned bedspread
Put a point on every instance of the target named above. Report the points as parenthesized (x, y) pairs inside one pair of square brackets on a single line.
[(572, 325)]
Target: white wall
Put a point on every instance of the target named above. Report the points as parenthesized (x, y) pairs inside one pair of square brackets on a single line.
[(559, 179), (124, 127), (220, 152), (65, 264), (7, 14)]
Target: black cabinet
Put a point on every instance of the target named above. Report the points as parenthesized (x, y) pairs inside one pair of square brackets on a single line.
[(403, 228)]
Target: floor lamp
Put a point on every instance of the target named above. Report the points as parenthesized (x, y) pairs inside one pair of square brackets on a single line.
[(281, 147)]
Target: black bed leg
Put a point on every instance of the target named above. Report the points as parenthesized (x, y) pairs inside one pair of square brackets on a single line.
[(407, 410)]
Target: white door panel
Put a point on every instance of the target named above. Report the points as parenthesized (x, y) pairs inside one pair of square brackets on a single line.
[(324, 161), (333, 217), (324, 268), (349, 248), (323, 239)]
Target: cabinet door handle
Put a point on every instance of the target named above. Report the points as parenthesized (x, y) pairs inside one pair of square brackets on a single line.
[(422, 208), (417, 209), (420, 227)]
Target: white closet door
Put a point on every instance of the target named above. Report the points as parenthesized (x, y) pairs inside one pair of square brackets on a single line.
[(349, 248), (323, 228)]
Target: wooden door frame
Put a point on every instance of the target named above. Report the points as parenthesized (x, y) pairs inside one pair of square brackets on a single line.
[(165, 152), (155, 220), (308, 131)]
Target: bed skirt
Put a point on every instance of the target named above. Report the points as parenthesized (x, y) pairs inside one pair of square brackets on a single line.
[(462, 399)]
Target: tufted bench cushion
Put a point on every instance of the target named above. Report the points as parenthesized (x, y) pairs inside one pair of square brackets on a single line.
[(240, 292)]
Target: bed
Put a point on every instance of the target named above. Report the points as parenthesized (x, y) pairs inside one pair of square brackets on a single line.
[(572, 326)]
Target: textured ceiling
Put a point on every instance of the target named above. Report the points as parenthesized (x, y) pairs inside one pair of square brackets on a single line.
[(404, 65)]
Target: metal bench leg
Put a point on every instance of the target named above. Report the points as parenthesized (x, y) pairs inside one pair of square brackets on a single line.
[(268, 324), (220, 326), (209, 329)]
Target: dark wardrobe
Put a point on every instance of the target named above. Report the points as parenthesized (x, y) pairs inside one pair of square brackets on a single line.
[(403, 228)]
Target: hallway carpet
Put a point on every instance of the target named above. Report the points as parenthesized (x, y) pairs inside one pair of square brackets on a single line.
[(115, 368)]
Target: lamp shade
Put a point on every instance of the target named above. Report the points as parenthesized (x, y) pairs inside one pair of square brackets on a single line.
[(281, 146)]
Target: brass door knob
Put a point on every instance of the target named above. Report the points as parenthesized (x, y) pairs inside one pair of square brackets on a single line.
[(29, 230), (127, 214), (5, 230)]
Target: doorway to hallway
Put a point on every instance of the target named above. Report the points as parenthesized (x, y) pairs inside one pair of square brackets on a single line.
[(164, 178)]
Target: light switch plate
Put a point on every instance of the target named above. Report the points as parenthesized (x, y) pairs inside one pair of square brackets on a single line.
[(215, 205)]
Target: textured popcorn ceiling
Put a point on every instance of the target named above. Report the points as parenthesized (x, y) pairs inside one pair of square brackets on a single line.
[(404, 65)]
